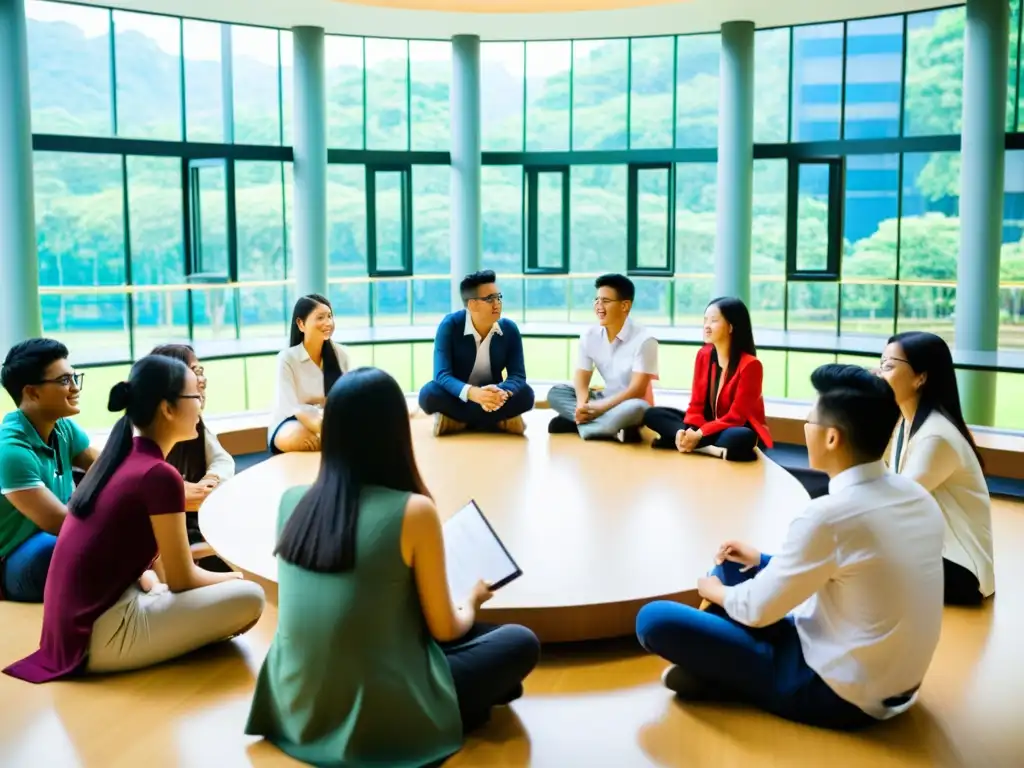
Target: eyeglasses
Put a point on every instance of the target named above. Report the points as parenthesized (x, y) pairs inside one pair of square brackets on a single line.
[(887, 363), (494, 298), (66, 380), (600, 301), (199, 371)]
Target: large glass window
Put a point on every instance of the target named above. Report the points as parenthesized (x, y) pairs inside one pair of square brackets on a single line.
[(346, 220), (697, 66), (387, 107), (71, 92), (430, 68), (650, 96), (255, 85), (933, 94), (204, 86), (874, 66), (597, 218), (344, 61), (817, 82), (259, 204), (771, 85), (548, 84), (81, 243), (147, 49), (502, 93), (600, 71), (1011, 263)]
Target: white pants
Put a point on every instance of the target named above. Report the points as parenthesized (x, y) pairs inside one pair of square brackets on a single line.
[(146, 628)]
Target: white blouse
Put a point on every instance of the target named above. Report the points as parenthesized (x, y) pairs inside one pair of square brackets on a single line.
[(219, 462), (300, 381), (940, 458)]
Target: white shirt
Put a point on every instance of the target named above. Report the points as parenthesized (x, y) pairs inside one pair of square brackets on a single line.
[(300, 381), (219, 462), (862, 567), (481, 373), (941, 459), (633, 350)]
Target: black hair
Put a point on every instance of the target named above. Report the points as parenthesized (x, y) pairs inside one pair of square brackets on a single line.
[(189, 456), (860, 404), (737, 315), (26, 364), (621, 284), (929, 354), (469, 284), (153, 380), (366, 441), (304, 307)]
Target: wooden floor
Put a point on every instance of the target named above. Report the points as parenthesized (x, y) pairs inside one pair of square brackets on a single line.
[(592, 705)]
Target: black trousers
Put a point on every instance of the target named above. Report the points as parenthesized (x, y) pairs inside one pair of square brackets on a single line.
[(434, 399), (961, 586), (488, 666), (739, 442)]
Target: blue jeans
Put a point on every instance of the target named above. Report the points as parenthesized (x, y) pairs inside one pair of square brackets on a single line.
[(764, 667), (23, 575)]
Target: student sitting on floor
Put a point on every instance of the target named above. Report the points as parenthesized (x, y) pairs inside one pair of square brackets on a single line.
[(938, 451), (202, 462), (471, 350), (726, 413), (39, 445), (104, 610), (305, 373), (626, 356), (372, 664), (838, 629)]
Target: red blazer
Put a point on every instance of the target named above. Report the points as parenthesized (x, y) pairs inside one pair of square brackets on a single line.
[(741, 402)]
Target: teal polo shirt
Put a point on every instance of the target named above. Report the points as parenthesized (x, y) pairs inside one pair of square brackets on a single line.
[(27, 462)]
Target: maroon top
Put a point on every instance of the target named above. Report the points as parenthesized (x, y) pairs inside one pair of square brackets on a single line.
[(98, 558)]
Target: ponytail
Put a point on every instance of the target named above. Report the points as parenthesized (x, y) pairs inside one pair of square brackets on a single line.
[(153, 380)]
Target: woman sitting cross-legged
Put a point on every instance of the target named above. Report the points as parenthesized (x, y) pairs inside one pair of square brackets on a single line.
[(838, 629), (202, 461), (306, 370), (726, 413), (934, 446), (122, 592), (372, 664)]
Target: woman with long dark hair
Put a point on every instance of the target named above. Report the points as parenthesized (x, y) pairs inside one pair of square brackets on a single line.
[(202, 461), (933, 445), (372, 663), (306, 371), (122, 590), (726, 413)]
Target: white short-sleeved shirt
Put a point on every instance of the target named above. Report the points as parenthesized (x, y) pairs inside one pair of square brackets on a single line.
[(300, 381), (940, 459), (633, 350)]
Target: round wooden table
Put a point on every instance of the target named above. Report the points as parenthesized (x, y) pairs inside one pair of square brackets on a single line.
[(598, 528)]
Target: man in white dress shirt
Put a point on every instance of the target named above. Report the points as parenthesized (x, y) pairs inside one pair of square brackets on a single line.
[(626, 356), (838, 629), (479, 370)]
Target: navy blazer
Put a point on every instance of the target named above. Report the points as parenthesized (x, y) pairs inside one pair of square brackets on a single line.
[(455, 355)]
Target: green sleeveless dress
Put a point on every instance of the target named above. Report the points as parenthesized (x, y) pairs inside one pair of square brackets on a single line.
[(353, 677)]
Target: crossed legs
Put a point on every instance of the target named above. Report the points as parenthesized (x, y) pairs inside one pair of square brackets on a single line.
[(434, 399), (626, 415)]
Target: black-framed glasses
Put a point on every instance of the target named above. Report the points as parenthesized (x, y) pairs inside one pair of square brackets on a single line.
[(886, 362), (66, 380), (491, 299)]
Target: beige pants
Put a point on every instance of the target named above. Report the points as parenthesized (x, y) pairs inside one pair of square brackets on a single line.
[(146, 628)]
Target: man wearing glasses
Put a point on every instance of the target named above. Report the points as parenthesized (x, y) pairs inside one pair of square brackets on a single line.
[(39, 446), (473, 348), (626, 356)]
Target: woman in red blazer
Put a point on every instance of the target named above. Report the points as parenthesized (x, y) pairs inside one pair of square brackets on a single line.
[(726, 414)]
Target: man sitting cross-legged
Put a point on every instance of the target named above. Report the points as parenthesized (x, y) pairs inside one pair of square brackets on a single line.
[(39, 447), (626, 356), (836, 630), (472, 348)]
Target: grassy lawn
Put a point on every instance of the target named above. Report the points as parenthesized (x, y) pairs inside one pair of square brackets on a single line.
[(248, 383)]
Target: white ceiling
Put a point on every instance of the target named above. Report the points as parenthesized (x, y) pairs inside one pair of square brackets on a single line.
[(678, 17)]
